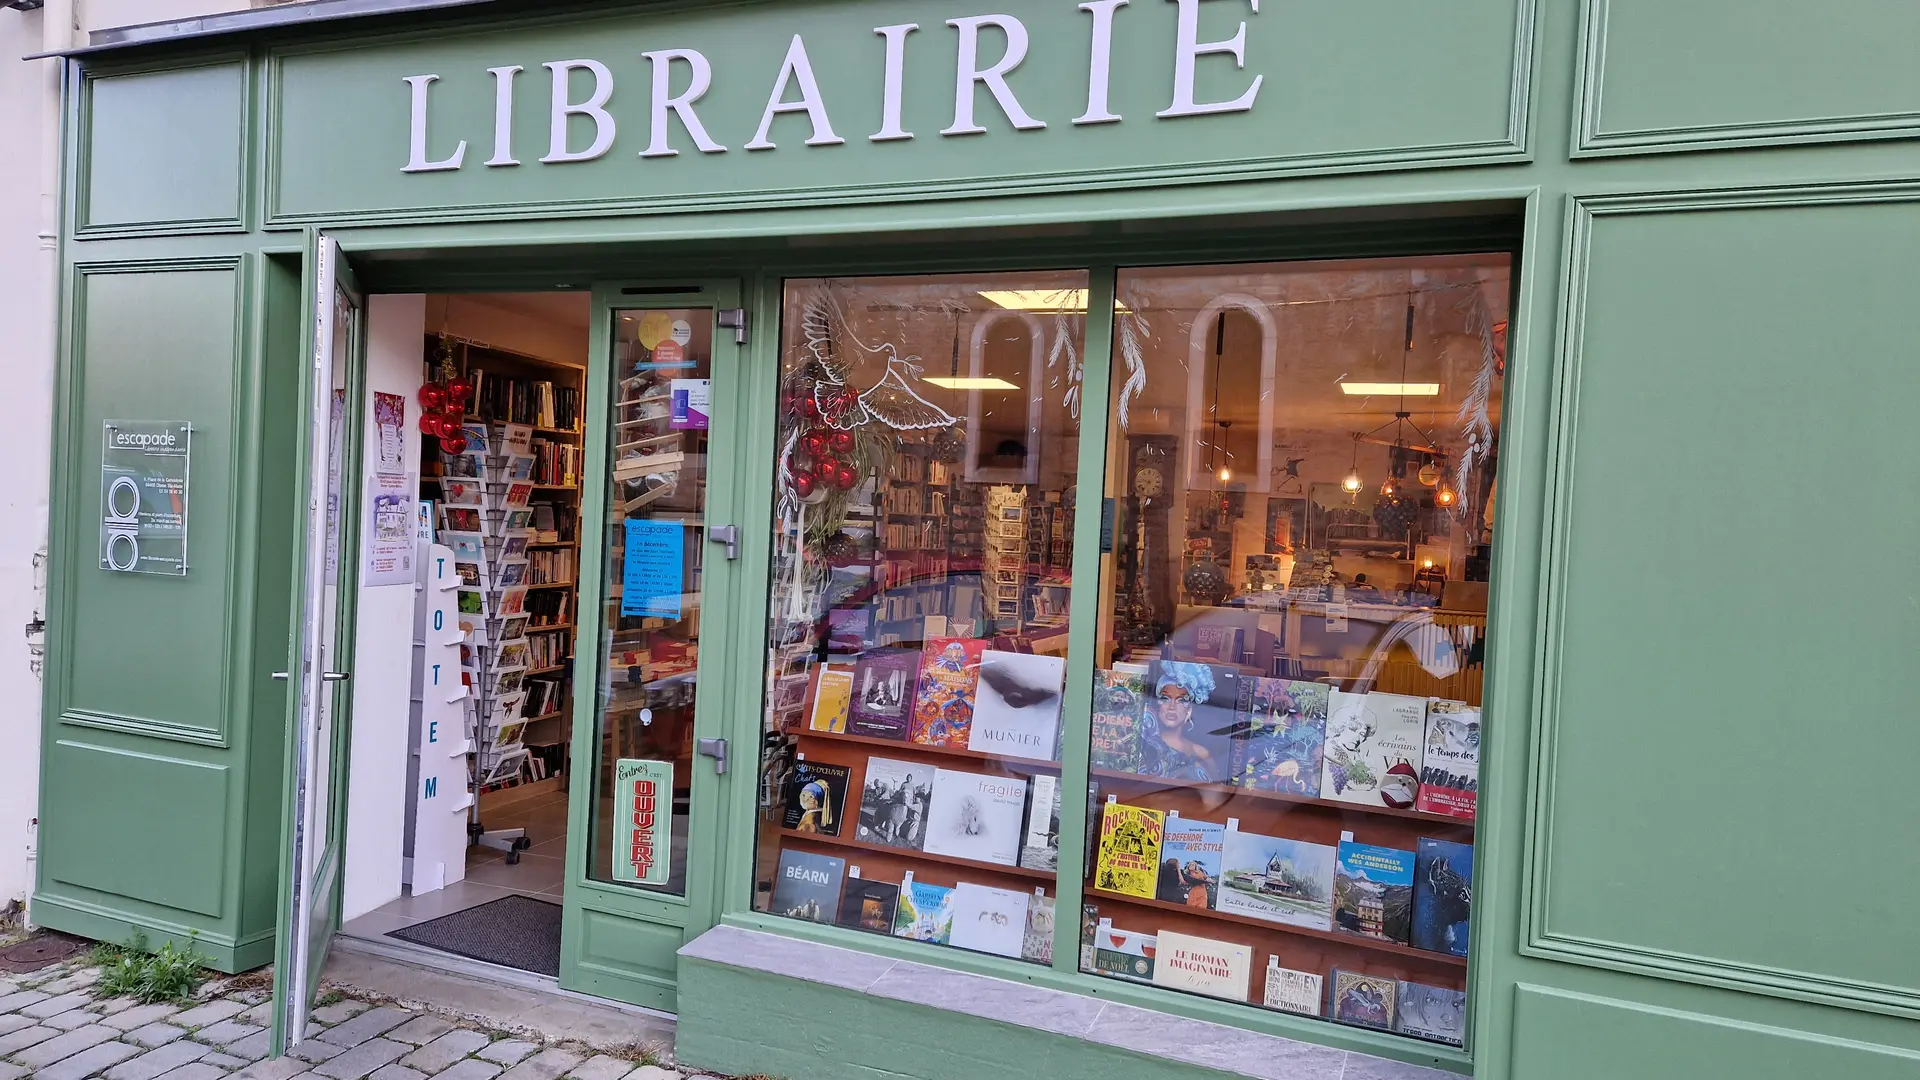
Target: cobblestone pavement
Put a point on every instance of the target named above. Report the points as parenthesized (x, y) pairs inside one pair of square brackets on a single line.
[(53, 1027)]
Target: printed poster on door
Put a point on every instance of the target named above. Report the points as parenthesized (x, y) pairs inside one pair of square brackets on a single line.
[(390, 542), (143, 496), (692, 404), (643, 821), (652, 572)]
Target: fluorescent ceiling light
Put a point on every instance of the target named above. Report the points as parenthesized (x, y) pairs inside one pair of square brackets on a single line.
[(1072, 301), (959, 382), (1390, 389)]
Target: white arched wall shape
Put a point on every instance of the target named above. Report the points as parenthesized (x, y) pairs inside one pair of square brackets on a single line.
[(1029, 472), (1262, 477)]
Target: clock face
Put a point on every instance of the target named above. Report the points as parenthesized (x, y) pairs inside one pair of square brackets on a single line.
[(1148, 483)]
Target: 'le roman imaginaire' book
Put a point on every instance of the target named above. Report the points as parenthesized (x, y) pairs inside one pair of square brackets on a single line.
[(1128, 860), (989, 920), (1373, 892), (1123, 954), (976, 816), (869, 905), (1431, 1012), (1291, 991), (1450, 768), (1442, 895), (1277, 879), (925, 912), (1202, 965), (883, 685), (808, 886), (1190, 856), (1364, 1000), (1284, 724), (832, 699), (1040, 847), (816, 798), (893, 803), (949, 684), (1373, 748), (1017, 705), (1118, 698)]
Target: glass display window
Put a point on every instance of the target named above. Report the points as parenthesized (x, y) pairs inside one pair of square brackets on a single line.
[(923, 521), (1286, 712)]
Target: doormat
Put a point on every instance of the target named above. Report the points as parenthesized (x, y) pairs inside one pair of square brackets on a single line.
[(41, 950), (514, 931)]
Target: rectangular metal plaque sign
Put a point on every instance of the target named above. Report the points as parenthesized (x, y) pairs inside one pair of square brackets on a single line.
[(143, 496)]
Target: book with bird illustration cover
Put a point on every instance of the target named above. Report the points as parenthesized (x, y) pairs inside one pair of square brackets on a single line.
[(989, 920), (949, 682), (1017, 706), (1129, 857), (1442, 895), (1283, 727)]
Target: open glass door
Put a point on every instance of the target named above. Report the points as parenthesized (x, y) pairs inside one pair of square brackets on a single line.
[(322, 626), (650, 749)]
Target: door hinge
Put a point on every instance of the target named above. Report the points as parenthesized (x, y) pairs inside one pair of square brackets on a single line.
[(734, 319), (715, 749), (728, 535)]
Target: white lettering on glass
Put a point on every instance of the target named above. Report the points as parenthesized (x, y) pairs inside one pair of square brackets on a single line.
[(994, 78), (1188, 48), (1098, 74), (417, 132), (890, 87), (664, 101), (594, 108), (796, 68), (503, 115)]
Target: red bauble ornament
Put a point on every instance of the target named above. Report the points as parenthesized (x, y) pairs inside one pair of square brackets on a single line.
[(823, 469), (808, 408), (454, 444), (430, 423), (816, 443), (802, 485), (450, 423), (433, 397), (841, 441), (459, 390), (844, 477)]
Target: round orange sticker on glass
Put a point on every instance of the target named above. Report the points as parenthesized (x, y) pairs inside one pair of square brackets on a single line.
[(669, 352), (655, 327)]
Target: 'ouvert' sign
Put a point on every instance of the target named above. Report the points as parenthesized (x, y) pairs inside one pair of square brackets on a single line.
[(795, 90)]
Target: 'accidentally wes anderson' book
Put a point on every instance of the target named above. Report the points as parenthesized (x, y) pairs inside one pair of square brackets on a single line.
[(1190, 854), (1442, 895), (1431, 1012), (1373, 748), (882, 704), (1202, 965), (1364, 1000), (1285, 725), (976, 816), (816, 796), (893, 803), (1124, 954), (1017, 707), (949, 682), (1291, 991), (832, 699), (925, 912), (1373, 892), (1040, 848), (1117, 701), (989, 920), (1129, 856), (1450, 769), (869, 905), (808, 886), (1274, 878)]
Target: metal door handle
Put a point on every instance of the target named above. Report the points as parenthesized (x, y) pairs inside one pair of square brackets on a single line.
[(715, 749), (728, 535), (335, 676), (281, 675)]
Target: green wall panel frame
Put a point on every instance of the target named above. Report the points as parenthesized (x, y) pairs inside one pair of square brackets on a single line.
[(1658, 76), (166, 150), (1786, 681)]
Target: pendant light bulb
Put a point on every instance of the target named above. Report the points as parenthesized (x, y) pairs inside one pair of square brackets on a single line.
[(1444, 497), (1386, 488), (1352, 484), (1226, 474)]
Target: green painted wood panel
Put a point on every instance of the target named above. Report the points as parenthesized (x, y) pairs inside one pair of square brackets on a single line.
[(1715, 73), (1733, 617), (1343, 85), (166, 150)]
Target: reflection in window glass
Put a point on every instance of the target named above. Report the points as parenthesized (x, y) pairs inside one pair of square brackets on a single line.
[(1286, 721), (917, 632)]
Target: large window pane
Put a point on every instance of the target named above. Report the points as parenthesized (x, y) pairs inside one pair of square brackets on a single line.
[(927, 440), (1293, 616)]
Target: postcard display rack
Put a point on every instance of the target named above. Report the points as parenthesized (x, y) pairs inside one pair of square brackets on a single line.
[(439, 726)]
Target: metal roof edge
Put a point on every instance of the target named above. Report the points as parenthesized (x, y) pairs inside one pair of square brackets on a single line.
[(281, 16)]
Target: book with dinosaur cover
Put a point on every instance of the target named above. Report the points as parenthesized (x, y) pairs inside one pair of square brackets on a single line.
[(869, 905), (976, 816), (1442, 895), (1129, 856), (1431, 1012), (893, 803), (1364, 1000), (1201, 965), (925, 912), (1117, 701), (816, 797), (1450, 767), (883, 686), (1373, 748), (1373, 892), (1277, 879), (949, 684), (808, 886), (989, 920), (1190, 856), (1279, 747), (1017, 705), (1291, 991)]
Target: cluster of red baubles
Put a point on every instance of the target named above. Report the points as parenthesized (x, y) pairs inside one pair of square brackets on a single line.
[(442, 408), (824, 458)]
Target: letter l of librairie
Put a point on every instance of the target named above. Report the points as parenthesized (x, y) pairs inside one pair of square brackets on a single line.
[(795, 76)]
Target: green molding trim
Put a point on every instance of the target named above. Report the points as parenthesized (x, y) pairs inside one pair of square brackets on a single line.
[(1592, 140), (140, 725), (81, 143), (224, 953), (1538, 938)]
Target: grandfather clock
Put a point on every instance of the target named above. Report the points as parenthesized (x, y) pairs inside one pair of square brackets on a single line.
[(1151, 475)]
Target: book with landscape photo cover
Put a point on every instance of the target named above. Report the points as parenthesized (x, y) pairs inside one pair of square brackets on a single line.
[(1373, 749), (869, 905), (1129, 855), (1118, 697), (808, 886), (1277, 879), (1190, 857), (1364, 1000), (976, 816), (949, 684), (1285, 725), (893, 803), (1450, 767), (989, 920), (816, 798), (1201, 965), (924, 913), (883, 688), (1431, 1012), (1291, 991), (1442, 895), (1017, 705), (1373, 892)]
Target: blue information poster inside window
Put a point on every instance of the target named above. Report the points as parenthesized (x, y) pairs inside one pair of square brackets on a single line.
[(653, 575)]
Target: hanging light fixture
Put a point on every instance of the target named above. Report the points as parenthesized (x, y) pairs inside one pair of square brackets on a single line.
[(1429, 474), (1445, 497), (1226, 452), (1352, 484)]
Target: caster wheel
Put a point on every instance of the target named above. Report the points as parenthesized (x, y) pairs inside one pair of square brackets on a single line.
[(522, 843), (513, 857)]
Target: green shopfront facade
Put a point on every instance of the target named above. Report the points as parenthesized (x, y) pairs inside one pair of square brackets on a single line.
[(1703, 222)]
